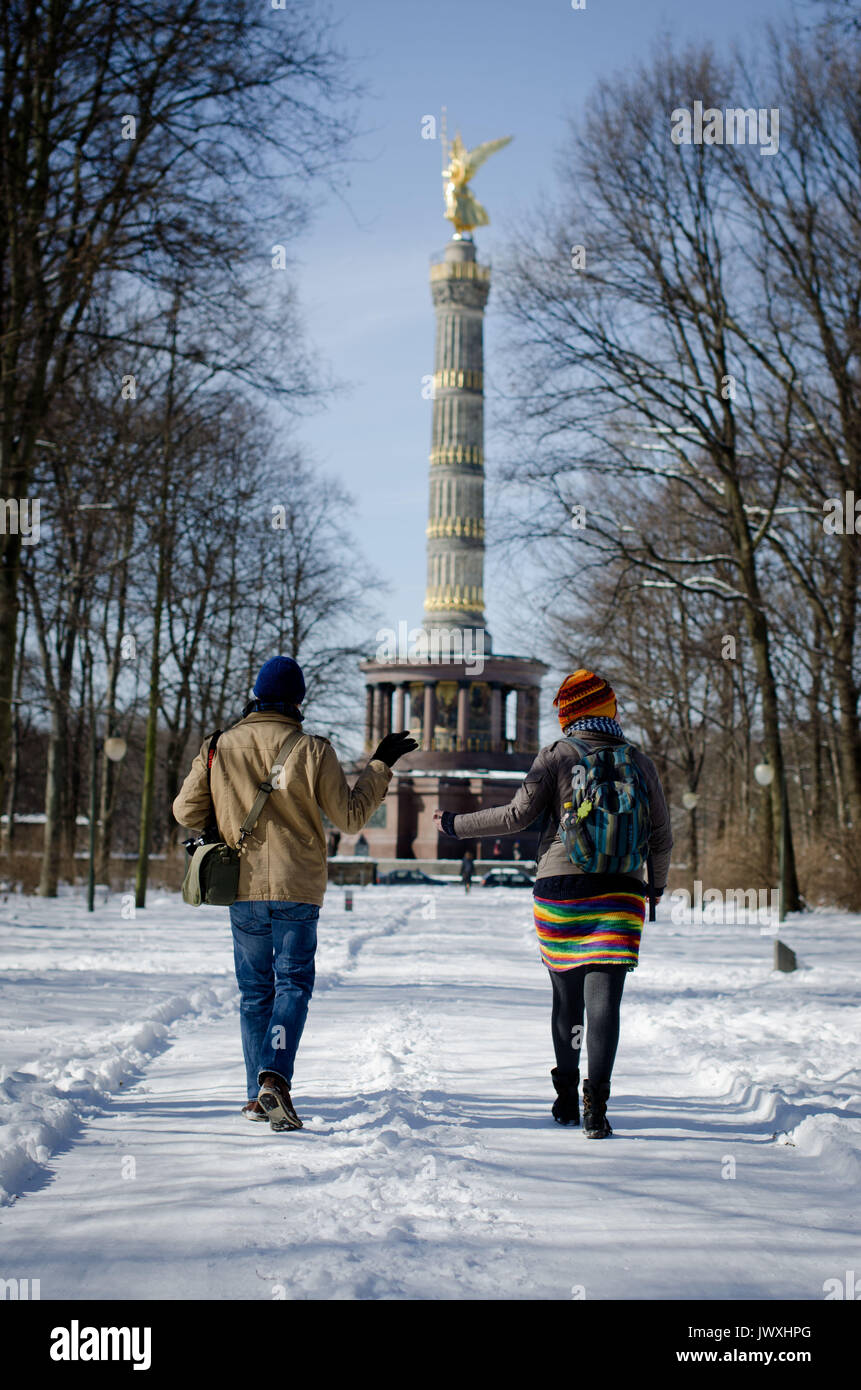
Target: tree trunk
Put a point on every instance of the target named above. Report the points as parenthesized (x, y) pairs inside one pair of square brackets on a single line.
[(790, 899), (15, 747), (847, 741), (50, 870), (10, 563), (151, 743), (815, 719), (693, 848)]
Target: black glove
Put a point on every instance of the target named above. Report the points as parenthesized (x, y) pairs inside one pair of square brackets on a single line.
[(394, 746), (448, 824)]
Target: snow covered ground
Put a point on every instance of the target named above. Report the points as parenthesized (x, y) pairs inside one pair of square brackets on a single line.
[(429, 1166)]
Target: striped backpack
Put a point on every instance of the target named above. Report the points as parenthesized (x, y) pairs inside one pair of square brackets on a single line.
[(605, 826)]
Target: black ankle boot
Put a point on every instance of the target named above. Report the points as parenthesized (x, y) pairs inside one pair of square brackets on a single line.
[(566, 1106), (595, 1122)]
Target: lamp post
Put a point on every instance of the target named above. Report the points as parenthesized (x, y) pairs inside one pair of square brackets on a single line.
[(764, 774), (115, 750), (689, 801)]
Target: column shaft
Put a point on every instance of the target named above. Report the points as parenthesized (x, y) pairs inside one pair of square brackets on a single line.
[(497, 732), (369, 716), (522, 720), (400, 693), (463, 715), (386, 709), (429, 716)]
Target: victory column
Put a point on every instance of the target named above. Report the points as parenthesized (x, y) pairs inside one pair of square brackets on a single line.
[(450, 690)]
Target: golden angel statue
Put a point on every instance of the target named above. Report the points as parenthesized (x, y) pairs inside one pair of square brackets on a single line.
[(461, 207)]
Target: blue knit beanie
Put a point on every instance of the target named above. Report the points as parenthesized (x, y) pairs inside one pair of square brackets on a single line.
[(280, 682)]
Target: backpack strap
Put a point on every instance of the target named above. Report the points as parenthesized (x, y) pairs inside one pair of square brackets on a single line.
[(579, 743), (583, 747), (266, 787)]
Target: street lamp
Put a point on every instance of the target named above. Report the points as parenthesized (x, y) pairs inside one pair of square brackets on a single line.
[(115, 751), (764, 774), (689, 800)]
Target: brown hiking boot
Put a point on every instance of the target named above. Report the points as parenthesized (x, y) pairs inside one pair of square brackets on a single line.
[(253, 1110), (274, 1097)]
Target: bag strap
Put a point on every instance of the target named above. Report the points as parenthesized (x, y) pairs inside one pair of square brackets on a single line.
[(266, 787), (210, 756), (579, 743), (585, 749), (212, 823)]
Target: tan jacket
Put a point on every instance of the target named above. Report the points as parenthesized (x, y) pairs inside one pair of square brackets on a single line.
[(284, 858), (546, 787)]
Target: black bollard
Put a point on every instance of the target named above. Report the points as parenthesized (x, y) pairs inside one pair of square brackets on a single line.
[(784, 957)]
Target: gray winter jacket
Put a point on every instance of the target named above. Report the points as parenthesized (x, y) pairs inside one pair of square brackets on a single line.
[(546, 786)]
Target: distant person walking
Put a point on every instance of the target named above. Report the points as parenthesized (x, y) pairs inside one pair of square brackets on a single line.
[(282, 873), (603, 815), (467, 867)]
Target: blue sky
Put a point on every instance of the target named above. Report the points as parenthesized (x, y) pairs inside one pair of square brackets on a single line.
[(362, 271)]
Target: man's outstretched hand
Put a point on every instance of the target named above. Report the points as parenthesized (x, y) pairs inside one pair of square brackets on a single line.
[(394, 746)]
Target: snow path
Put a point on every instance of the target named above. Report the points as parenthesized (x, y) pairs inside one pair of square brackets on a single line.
[(429, 1166)]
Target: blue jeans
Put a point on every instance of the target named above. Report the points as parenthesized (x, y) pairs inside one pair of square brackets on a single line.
[(274, 944)]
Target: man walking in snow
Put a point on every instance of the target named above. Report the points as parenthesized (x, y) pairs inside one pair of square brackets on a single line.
[(282, 867)]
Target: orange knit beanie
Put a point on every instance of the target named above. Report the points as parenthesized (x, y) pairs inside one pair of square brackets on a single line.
[(583, 693)]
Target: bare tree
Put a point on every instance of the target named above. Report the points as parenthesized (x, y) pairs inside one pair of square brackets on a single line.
[(804, 213), (126, 133), (633, 371)]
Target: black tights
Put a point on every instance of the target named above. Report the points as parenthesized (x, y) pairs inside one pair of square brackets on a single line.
[(593, 991)]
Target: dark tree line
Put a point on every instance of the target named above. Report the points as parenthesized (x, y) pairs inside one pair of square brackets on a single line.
[(157, 162)]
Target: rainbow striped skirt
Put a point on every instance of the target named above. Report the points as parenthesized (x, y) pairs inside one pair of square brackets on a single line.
[(589, 919)]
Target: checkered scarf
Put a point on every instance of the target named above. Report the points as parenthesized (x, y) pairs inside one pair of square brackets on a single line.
[(595, 723)]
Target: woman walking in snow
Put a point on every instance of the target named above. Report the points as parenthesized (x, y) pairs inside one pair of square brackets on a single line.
[(588, 922)]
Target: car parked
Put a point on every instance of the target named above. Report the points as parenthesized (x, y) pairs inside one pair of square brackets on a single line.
[(507, 878), (409, 876)]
